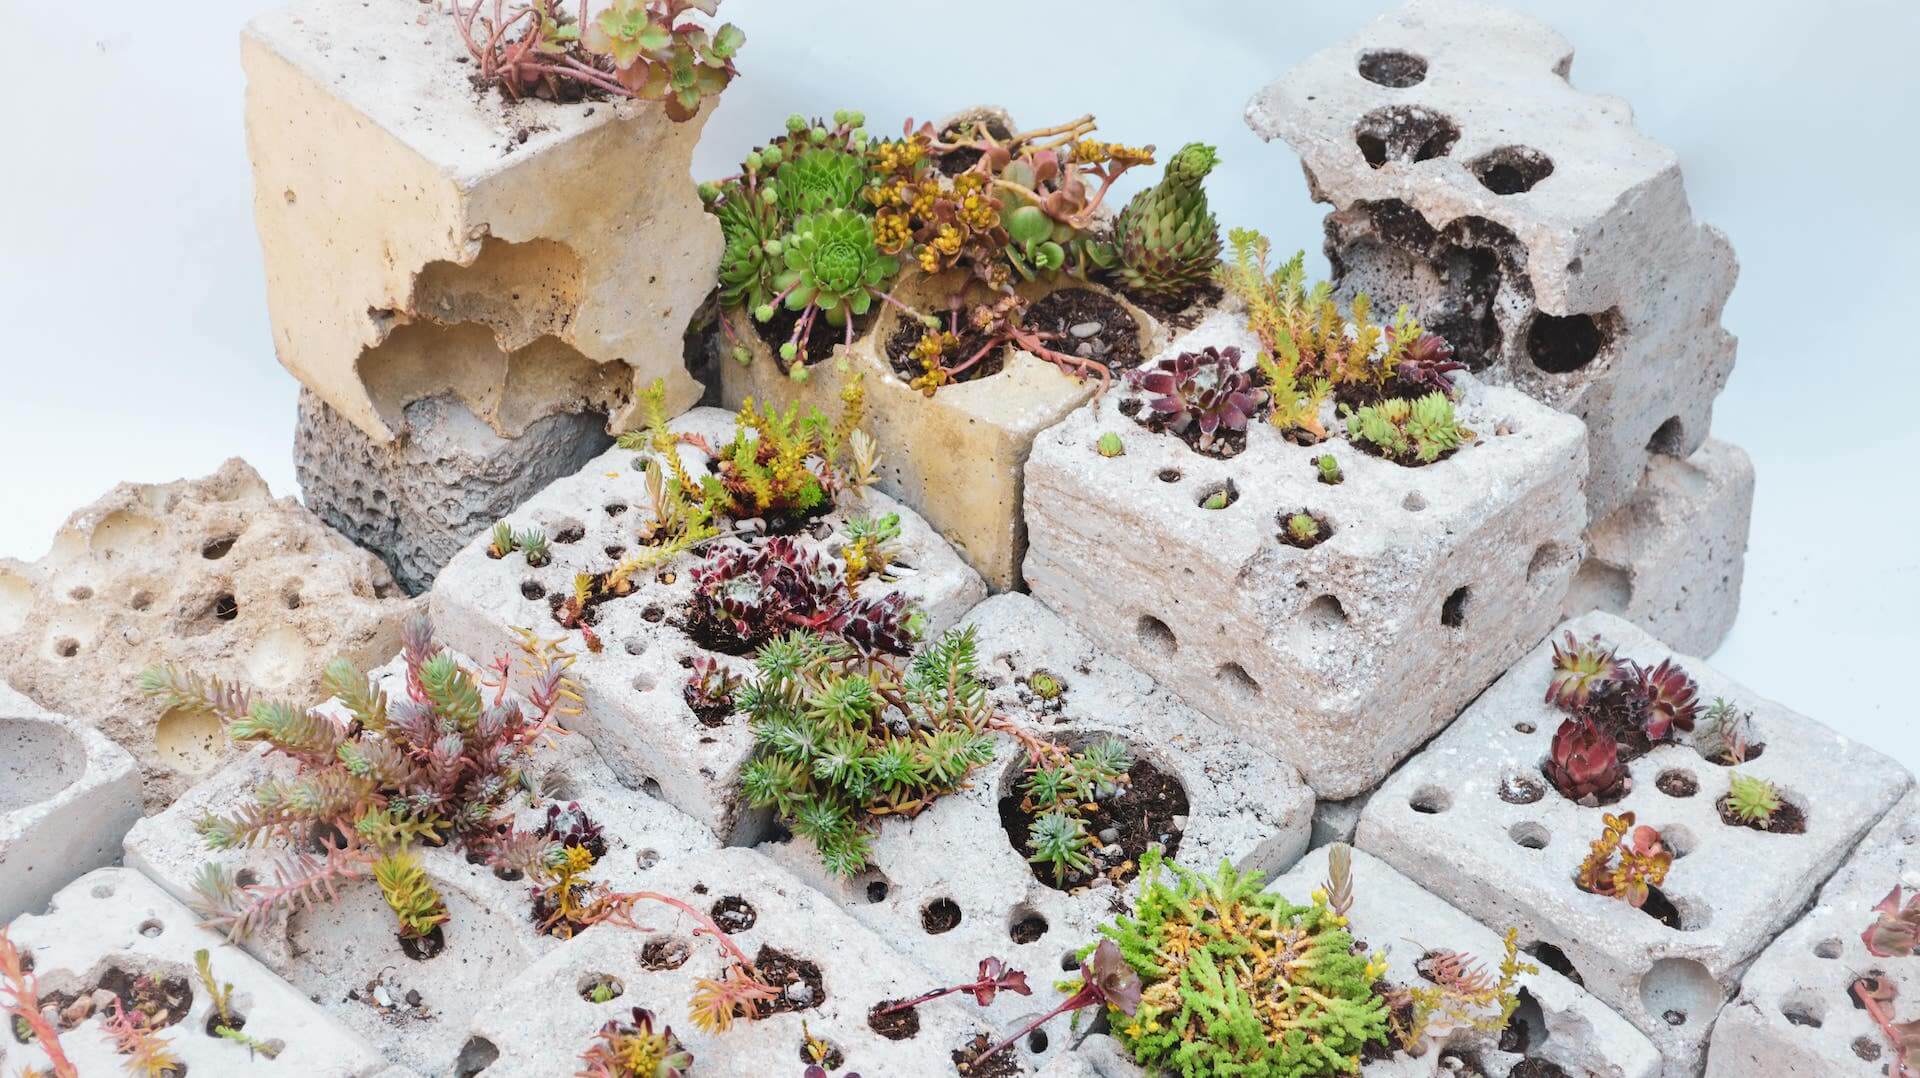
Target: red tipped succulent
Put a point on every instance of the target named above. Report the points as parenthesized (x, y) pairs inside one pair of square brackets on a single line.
[(1209, 389), (1895, 931), (1584, 764), (1426, 363), (1671, 698), (1578, 669)]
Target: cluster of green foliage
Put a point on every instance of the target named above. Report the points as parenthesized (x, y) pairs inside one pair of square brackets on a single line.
[(1060, 793), (1408, 432)]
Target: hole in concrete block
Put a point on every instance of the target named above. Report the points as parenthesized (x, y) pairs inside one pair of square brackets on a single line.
[(1025, 924), (1599, 586), (899, 1025), (1218, 495), (1169, 475), (80, 594), (1394, 68), (1069, 962), (1827, 948), (1303, 529), (1037, 1041), (877, 887), (189, 741), (1453, 612), (1544, 557), (665, 952), (151, 928), (532, 589), (1406, 134), (1670, 439), (832, 1059), (646, 859), (1521, 790), (1511, 170), (140, 600), (601, 988), (636, 646), (734, 914), (290, 597), (102, 890), (1413, 503), (476, 1055), (568, 531), (1430, 800), (1154, 634), (1530, 836), (1238, 683), (215, 549), (225, 607), (939, 916), (650, 787), (66, 647), (1804, 1009), (1325, 613), (1678, 838), (1524, 728), (1562, 344), (1554, 959), (1866, 1048), (1677, 782)]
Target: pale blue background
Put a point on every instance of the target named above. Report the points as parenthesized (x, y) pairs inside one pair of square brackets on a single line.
[(136, 342)]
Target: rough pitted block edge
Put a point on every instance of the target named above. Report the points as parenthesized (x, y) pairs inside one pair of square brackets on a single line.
[(539, 1023), (417, 500), (636, 712), (67, 797), (1324, 656), (1606, 238), (1441, 819), (114, 918), (1673, 559), (1563, 1024), (338, 951), (1796, 1016), (1244, 806)]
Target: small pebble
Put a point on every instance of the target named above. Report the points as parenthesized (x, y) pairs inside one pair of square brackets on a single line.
[(1083, 349), (800, 992), (1110, 836), (381, 996), (1179, 823), (1112, 852), (1083, 330), (1099, 882)]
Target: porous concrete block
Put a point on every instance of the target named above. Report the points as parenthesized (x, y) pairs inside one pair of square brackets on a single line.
[(1796, 1015), (67, 797), (956, 456), (215, 575), (958, 858), (538, 1024), (416, 500), (1341, 658), (1472, 819), (636, 709), (425, 236), (111, 926), (1672, 559), (347, 955), (1528, 222), (1557, 1022)]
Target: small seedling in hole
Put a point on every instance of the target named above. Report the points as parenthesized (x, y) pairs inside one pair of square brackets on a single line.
[(1303, 528), (1329, 469), (1058, 794), (1217, 500), (1753, 800), (602, 992), (995, 977), (533, 542), (503, 543), (1045, 685), (1110, 445), (222, 996)]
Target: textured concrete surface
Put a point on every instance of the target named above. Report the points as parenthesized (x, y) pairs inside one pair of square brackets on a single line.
[(1244, 806), (1530, 223), (1328, 657), (1443, 821), (1673, 558), (213, 574), (67, 797), (114, 920), (636, 710), (416, 500), (347, 954), (424, 237)]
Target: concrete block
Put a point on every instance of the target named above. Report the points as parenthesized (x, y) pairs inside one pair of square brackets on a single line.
[(67, 797), (1472, 819), (1341, 658), (424, 237), (1672, 559), (950, 887), (213, 574), (112, 926), (636, 710), (1526, 221)]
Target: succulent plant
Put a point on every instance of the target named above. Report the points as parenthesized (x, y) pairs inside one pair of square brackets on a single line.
[(1110, 445), (756, 594), (1166, 238), (1584, 763), (1725, 732), (1206, 389), (1303, 528), (1671, 699), (833, 267), (1895, 931), (1060, 792), (1045, 685), (533, 543), (633, 1049), (571, 826), (1423, 365), (649, 49), (994, 978), (1626, 862), (1328, 469), (1752, 800), (710, 686), (820, 178), (1106, 980), (1577, 668), (1408, 432), (750, 256), (502, 541)]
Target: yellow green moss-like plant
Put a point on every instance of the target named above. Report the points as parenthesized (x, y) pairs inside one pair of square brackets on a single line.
[(1752, 800), (1408, 432), (410, 894)]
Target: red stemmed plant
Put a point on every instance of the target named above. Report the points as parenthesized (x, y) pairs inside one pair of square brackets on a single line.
[(1105, 980), (995, 977), (20, 1000), (1876, 995)]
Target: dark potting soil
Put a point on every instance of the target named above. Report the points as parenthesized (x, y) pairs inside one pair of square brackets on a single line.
[(163, 1001), (780, 970), (733, 914), (1786, 820), (1142, 812), (1181, 311), (1521, 790), (898, 1026), (1677, 784), (908, 333), (954, 162), (1537, 1068), (1722, 759), (1002, 1064), (1082, 322), (1225, 445), (821, 341), (422, 948)]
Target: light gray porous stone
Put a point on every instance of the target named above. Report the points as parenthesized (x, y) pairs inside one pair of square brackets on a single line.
[(1673, 558), (346, 953), (67, 797), (1443, 820), (115, 921), (1342, 658), (537, 1025), (1796, 1015), (1561, 1023), (636, 712), (1528, 222), (1243, 806), (417, 499)]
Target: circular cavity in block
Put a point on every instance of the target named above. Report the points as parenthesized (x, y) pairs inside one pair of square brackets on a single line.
[(1680, 991), (189, 741), (1393, 68)]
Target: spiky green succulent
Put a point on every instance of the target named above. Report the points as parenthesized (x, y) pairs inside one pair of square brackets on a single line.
[(1166, 238), (1408, 432), (832, 262), (819, 178), (750, 259), (1753, 800)]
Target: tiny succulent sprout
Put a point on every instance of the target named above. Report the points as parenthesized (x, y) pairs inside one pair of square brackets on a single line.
[(1110, 445), (1045, 685), (1752, 800), (1671, 699), (1895, 931), (533, 542), (1328, 469), (1407, 432), (1219, 499), (742, 356), (1584, 763), (1725, 733), (503, 542), (1303, 528), (1577, 668), (1337, 891)]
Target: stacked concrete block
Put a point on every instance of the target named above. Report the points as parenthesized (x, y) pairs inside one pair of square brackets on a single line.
[(636, 708), (534, 263), (831, 973), (1473, 819), (1341, 658), (1672, 559), (1798, 1014), (346, 953), (951, 886), (214, 575), (67, 797), (112, 928), (1528, 222)]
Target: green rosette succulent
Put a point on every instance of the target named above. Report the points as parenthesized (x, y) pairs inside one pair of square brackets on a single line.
[(1166, 238), (832, 262), (818, 179), (750, 258)]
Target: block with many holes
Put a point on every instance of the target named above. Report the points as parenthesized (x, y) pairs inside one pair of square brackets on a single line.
[(1194, 791), (413, 1000), (1339, 653), (636, 710), (1473, 819), (1528, 222)]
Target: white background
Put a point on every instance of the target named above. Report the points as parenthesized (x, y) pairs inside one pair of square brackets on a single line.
[(135, 341)]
